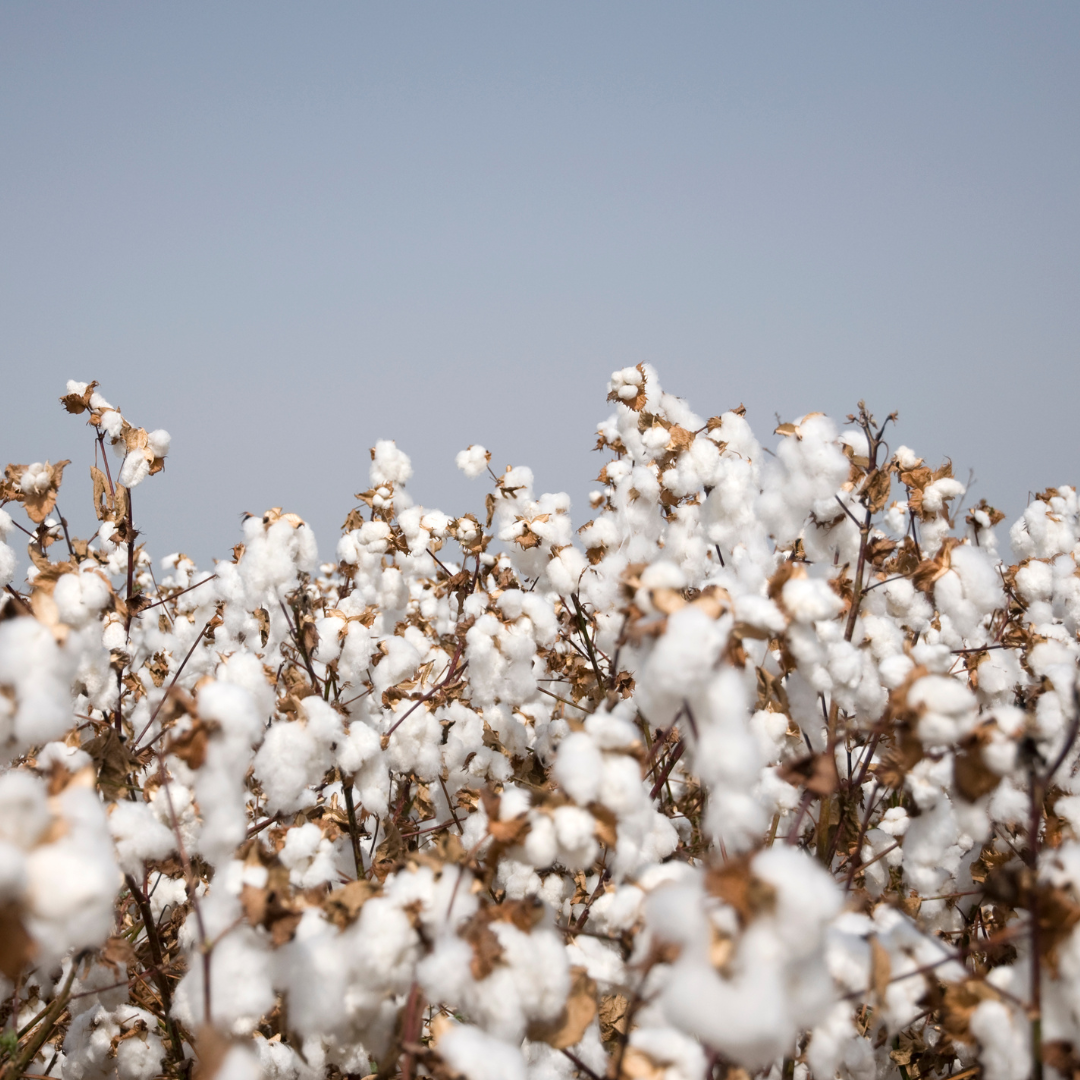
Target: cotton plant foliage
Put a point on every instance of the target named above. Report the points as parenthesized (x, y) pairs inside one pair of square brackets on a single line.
[(767, 770)]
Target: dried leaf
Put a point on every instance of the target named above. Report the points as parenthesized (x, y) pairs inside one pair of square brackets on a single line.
[(117, 951), (114, 763), (77, 403), (816, 772), (876, 489), (343, 905), (577, 1014), (190, 747), (736, 884), (613, 1018), (17, 947), (880, 969), (606, 821)]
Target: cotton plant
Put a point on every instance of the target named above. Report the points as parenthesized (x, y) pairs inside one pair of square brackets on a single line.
[(766, 770)]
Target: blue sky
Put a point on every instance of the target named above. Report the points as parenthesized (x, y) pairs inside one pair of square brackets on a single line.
[(283, 231)]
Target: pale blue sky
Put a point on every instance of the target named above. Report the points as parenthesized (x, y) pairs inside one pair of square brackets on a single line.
[(283, 231)]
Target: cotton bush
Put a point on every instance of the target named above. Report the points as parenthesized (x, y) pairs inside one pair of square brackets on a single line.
[(769, 770)]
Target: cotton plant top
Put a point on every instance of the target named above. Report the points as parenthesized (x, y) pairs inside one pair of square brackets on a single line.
[(767, 769)]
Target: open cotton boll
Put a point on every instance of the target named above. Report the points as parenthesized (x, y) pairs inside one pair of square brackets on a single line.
[(120, 1043), (296, 754), (138, 835), (8, 564), (477, 1055), (241, 991), (158, 442), (135, 470), (810, 600), (38, 673), (1035, 581), (473, 460), (950, 709), (72, 882), (389, 465), (941, 491), (1005, 1042), (626, 384), (36, 478), (681, 662), (24, 812), (578, 768), (79, 597)]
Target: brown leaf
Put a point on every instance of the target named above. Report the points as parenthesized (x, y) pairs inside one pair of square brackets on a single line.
[(605, 829), (17, 947), (117, 951), (960, 1002), (211, 1049), (343, 905), (190, 747), (735, 884), (577, 1014), (1062, 1056), (487, 952), (254, 902), (880, 969), (972, 777), (114, 763), (509, 832), (613, 1010), (816, 772), (876, 490), (77, 403), (679, 439)]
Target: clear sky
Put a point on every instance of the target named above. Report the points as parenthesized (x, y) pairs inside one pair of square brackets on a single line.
[(283, 231)]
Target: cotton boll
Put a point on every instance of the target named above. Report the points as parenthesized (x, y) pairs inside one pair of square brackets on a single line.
[(360, 746), (288, 760), (681, 1058), (239, 1064), (1035, 581), (681, 662), (244, 669), (79, 597), (472, 461), (478, 1056), (578, 768), (575, 830), (138, 835), (240, 985), (295, 755), (389, 465), (219, 783), (761, 613), (96, 1039), (938, 493), (135, 470), (414, 746), (309, 856), (158, 442), (810, 600), (24, 812), (72, 882), (949, 709), (1006, 1053), (999, 673), (32, 664)]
